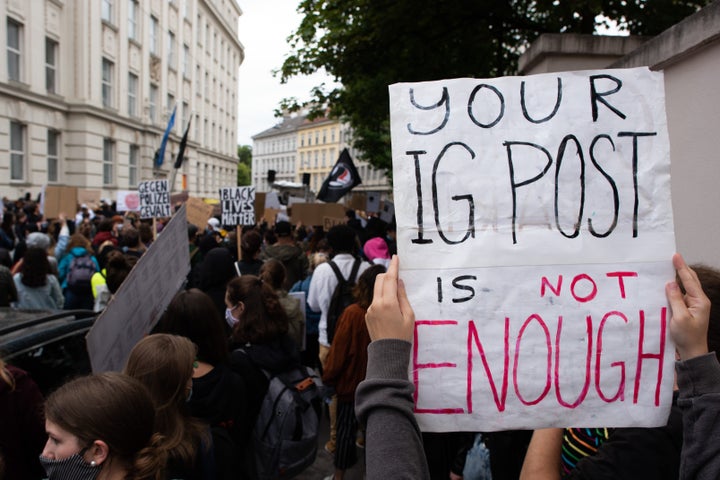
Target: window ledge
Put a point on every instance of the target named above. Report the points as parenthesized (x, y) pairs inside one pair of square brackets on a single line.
[(109, 25)]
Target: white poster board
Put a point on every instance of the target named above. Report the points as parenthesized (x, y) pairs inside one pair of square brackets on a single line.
[(142, 298), (154, 199), (238, 205), (127, 201), (535, 236), (373, 202)]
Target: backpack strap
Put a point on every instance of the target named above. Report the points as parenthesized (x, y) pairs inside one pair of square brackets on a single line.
[(356, 267), (353, 273), (335, 269)]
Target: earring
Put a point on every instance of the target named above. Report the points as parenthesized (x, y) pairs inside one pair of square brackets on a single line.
[(93, 463)]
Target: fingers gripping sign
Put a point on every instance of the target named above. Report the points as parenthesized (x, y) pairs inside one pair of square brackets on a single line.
[(390, 316), (690, 312)]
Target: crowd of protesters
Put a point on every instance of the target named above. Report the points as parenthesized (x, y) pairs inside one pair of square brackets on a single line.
[(186, 403)]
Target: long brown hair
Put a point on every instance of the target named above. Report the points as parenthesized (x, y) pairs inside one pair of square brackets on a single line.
[(365, 286), (263, 319), (116, 409), (164, 364)]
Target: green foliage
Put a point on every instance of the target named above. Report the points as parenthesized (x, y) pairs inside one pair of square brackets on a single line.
[(366, 45), (244, 173)]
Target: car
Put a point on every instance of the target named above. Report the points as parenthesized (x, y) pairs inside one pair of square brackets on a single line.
[(49, 345)]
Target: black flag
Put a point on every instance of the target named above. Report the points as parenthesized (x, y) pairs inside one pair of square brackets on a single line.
[(183, 143), (343, 178)]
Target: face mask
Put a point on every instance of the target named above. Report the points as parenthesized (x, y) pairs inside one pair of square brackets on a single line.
[(74, 467), (229, 317)]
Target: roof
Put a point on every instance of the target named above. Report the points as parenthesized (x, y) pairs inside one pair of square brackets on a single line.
[(287, 125)]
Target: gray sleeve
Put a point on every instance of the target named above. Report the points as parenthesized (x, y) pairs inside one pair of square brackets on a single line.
[(699, 400), (384, 404)]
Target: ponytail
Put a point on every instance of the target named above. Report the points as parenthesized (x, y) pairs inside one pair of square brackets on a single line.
[(150, 462)]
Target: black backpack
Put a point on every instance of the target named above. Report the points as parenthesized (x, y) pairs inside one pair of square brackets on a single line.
[(342, 297)]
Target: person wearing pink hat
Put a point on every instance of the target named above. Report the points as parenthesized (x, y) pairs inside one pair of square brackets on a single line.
[(376, 250)]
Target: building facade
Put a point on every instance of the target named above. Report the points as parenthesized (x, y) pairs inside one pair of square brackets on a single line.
[(297, 147), (87, 89)]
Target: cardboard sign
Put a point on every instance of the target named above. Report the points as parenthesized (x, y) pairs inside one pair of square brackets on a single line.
[(198, 212), (387, 212), (91, 198), (238, 205), (142, 298), (270, 214), (358, 201), (373, 202), (127, 201), (311, 214), (329, 222), (535, 236), (259, 205), (58, 199), (154, 199)]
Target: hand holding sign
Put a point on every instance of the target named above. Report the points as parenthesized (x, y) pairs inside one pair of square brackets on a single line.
[(690, 313), (390, 316)]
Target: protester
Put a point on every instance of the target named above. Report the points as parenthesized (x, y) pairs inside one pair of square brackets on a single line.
[(7, 231), (346, 367), (215, 272), (37, 287), (250, 246), (312, 317), (164, 364), (130, 242), (102, 425), (218, 394), (79, 264), (22, 427), (289, 253), (273, 273), (8, 291), (105, 233), (376, 251)]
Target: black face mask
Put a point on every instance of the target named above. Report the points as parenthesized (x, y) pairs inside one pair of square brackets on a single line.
[(73, 467)]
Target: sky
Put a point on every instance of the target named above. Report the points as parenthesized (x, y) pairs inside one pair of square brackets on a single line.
[(263, 30)]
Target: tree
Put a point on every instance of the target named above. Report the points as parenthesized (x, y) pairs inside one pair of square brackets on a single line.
[(367, 45), (244, 168)]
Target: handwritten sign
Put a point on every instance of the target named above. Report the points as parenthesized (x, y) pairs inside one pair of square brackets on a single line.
[(535, 234), (198, 212), (154, 199), (238, 205), (142, 298)]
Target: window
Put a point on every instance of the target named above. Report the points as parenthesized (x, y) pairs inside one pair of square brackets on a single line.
[(108, 164), (207, 85), (106, 12), (133, 30), (133, 165), (186, 61), (170, 104), (332, 135), (17, 151), (185, 115), (53, 138), (171, 50), (186, 9), (154, 36), (107, 82), (153, 103), (132, 94), (14, 50), (51, 49)]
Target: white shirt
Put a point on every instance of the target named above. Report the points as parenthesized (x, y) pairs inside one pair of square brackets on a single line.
[(323, 285)]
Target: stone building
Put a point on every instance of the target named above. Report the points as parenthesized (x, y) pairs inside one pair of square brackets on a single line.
[(87, 89)]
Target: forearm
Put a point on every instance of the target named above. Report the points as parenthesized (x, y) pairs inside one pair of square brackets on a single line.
[(384, 403), (542, 461)]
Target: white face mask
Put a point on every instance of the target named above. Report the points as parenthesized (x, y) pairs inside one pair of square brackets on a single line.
[(229, 317), (74, 467)]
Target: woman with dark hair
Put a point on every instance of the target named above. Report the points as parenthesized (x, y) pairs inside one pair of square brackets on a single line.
[(36, 287), (273, 272), (346, 366), (101, 426), (219, 393), (215, 272), (250, 246), (80, 264), (164, 364), (259, 338)]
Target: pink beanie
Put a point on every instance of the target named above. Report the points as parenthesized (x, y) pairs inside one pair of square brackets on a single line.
[(376, 248)]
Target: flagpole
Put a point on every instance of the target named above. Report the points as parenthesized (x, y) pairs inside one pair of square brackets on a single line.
[(173, 172)]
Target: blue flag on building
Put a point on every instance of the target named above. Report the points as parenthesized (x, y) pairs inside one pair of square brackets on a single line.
[(160, 157)]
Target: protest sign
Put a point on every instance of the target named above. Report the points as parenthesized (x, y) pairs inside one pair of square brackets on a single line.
[(238, 205), (91, 198), (358, 201), (535, 236), (198, 212), (387, 212), (154, 199), (373, 202), (310, 214), (127, 201), (56, 199), (142, 297)]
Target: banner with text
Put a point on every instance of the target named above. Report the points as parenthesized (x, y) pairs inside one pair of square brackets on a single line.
[(535, 236), (238, 205), (154, 199)]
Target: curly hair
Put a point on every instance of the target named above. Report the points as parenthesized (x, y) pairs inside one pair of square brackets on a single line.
[(263, 319)]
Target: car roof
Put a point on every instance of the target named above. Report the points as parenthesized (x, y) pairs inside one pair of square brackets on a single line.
[(24, 330)]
